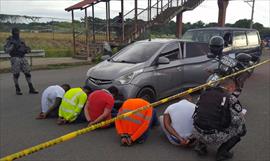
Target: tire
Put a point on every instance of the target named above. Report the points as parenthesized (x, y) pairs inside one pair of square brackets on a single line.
[(147, 94)]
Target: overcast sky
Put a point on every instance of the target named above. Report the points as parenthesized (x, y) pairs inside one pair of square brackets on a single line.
[(206, 12)]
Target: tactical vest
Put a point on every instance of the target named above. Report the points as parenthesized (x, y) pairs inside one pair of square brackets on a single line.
[(212, 111)]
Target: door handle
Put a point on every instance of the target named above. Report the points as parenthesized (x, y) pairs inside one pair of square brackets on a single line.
[(179, 68)]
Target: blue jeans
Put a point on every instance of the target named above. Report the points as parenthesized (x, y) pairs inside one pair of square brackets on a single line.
[(153, 122)]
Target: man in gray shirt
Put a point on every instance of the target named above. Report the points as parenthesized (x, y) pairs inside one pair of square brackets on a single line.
[(177, 122)]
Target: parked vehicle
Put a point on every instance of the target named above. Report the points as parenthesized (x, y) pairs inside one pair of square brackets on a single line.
[(228, 64), (152, 69), (237, 40)]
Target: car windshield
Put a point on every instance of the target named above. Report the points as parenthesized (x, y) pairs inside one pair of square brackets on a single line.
[(137, 53), (200, 35)]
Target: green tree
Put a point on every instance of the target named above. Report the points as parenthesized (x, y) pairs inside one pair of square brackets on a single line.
[(198, 24), (211, 24), (243, 23), (258, 26)]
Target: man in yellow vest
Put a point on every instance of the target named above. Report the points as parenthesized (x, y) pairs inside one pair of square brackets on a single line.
[(72, 105)]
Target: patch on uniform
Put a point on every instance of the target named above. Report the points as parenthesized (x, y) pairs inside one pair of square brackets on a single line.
[(237, 107)]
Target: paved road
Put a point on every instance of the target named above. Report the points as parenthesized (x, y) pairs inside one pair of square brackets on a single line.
[(20, 130)]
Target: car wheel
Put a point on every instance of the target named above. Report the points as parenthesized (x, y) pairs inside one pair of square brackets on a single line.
[(147, 94)]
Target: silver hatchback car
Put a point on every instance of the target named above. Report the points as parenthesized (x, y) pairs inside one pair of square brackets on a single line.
[(152, 69)]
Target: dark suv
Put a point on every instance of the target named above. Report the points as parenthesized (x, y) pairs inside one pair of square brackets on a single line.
[(237, 40)]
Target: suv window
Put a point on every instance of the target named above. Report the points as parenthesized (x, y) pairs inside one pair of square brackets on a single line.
[(171, 52), (239, 39), (200, 35), (196, 49), (252, 38)]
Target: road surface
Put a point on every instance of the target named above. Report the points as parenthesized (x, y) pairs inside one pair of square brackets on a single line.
[(20, 130)]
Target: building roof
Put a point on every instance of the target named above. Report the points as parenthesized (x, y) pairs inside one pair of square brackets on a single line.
[(81, 5)]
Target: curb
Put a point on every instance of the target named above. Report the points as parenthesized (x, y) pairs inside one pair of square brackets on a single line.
[(51, 66)]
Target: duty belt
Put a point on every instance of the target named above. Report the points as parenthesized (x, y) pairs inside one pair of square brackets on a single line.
[(207, 132)]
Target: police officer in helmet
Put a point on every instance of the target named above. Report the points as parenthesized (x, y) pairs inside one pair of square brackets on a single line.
[(219, 120), (216, 45), (17, 49)]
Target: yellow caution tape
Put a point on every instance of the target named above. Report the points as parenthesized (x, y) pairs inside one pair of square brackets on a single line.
[(107, 122)]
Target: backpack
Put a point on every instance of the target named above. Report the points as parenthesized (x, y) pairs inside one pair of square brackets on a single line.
[(213, 110)]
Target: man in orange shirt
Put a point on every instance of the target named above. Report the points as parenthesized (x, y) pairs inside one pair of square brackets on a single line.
[(135, 128)]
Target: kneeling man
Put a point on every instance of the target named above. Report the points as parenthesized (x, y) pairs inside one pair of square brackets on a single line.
[(177, 122)]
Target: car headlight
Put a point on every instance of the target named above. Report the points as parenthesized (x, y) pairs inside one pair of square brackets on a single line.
[(127, 78)]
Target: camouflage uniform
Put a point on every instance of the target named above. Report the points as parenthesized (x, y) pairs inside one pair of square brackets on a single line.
[(17, 49), (237, 127), (19, 64)]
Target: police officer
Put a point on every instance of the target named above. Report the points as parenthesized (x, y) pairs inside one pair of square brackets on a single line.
[(216, 45), (17, 49), (218, 120)]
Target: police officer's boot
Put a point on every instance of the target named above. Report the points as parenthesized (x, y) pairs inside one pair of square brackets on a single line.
[(32, 89), (223, 151), (201, 149), (18, 90)]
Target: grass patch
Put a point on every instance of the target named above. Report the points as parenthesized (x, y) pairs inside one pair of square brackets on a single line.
[(57, 45)]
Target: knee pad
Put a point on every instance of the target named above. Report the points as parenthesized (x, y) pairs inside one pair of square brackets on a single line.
[(16, 75), (27, 75)]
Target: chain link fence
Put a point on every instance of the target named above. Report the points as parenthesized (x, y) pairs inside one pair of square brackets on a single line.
[(54, 35)]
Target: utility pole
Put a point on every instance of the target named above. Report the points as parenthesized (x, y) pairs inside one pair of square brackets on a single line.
[(252, 10), (252, 13), (52, 29), (222, 9)]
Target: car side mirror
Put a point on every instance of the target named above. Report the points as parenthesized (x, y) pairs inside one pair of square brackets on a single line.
[(163, 60), (243, 57), (105, 57)]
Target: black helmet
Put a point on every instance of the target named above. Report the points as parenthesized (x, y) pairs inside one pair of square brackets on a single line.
[(216, 45), (15, 30)]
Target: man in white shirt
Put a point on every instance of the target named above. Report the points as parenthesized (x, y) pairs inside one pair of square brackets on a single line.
[(51, 100), (177, 122)]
